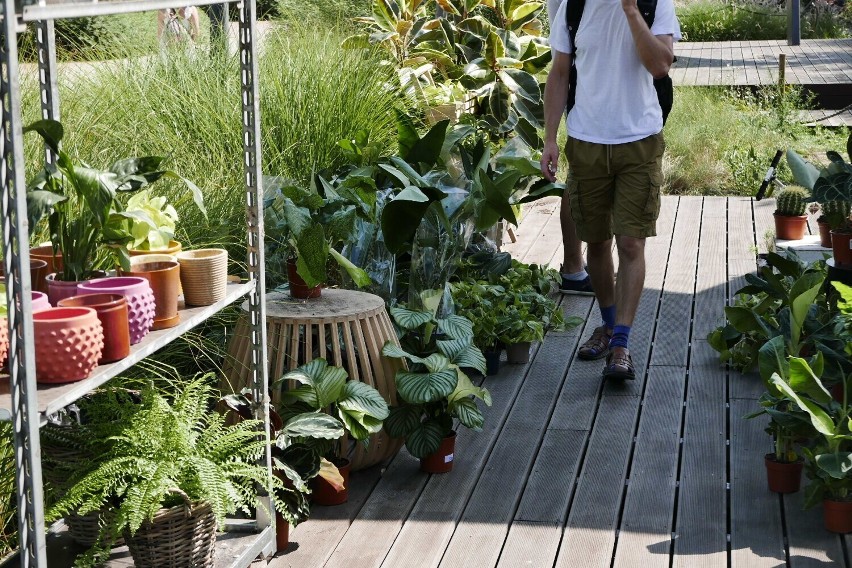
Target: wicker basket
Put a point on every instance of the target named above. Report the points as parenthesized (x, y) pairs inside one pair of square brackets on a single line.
[(178, 537)]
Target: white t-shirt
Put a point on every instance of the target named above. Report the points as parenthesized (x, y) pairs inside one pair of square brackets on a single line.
[(615, 100)]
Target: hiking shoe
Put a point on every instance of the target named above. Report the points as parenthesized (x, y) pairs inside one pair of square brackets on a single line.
[(619, 366), (597, 345), (577, 287)]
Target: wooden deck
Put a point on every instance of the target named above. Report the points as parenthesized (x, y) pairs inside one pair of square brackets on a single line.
[(569, 472)]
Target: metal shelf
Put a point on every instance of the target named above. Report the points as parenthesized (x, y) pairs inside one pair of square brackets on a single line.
[(235, 548), (35, 13), (53, 397)]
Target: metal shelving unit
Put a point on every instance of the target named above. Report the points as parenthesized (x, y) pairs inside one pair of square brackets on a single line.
[(24, 402)]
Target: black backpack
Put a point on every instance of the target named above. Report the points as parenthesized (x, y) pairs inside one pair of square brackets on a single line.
[(648, 8)]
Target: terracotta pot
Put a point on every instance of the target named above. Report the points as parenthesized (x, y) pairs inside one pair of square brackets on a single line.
[(68, 344), (4, 340), (112, 313), (841, 245), (282, 532), (38, 273), (39, 302), (324, 493), (783, 477), (45, 253), (298, 288), (790, 228), (518, 353), (164, 278), (492, 362), (203, 275), (837, 515), (824, 234), (441, 461), (140, 301), (173, 248)]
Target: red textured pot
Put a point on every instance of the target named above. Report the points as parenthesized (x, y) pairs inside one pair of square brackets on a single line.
[(164, 278), (783, 477), (790, 228), (112, 313), (837, 515), (841, 245), (140, 301), (298, 288), (824, 234), (441, 461), (324, 493), (68, 344), (282, 532)]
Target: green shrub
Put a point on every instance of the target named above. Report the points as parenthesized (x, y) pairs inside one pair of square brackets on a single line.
[(714, 20)]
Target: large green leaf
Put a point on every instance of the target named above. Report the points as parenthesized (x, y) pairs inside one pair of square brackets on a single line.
[(427, 150), (425, 439), (358, 275), (420, 388), (465, 389), (411, 319), (362, 398), (313, 425), (819, 418), (328, 381), (40, 203), (456, 327), (51, 132), (803, 380), (772, 358), (402, 419), (402, 215), (468, 413), (802, 296), (836, 465), (312, 252), (494, 49), (463, 353), (522, 84), (804, 173)]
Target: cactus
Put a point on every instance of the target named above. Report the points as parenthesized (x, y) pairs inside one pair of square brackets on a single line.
[(791, 201), (836, 212)]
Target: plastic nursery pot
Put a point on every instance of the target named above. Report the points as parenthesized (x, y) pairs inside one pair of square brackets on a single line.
[(783, 477), (298, 288), (492, 361), (837, 515), (68, 344), (140, 301), (164, 278), (112, 313), (841, 245), (282, 532), (173, 248), (441, 461), (518, 353), (790, 228), (203, 275), (824, 234), (324, 493)]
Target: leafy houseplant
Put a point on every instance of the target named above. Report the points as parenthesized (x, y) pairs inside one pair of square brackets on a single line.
[(433, 390), (79, 201), (790, 218), (166, 455), (147, 223)]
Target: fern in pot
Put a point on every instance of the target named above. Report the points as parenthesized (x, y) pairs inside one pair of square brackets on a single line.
[(169, 475)]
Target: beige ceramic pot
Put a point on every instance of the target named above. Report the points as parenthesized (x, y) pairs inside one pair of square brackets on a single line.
[(203, 275)]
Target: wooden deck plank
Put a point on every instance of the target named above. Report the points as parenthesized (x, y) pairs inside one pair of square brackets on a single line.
[(644, 537), (764, 223), (756, 535), (810, 544), (590, 532), (536, 216), (711, 276), (740, 229), (531, 545), (701, 524)]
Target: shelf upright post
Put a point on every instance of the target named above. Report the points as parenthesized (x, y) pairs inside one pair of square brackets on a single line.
[(48, 91), (254, 213), (13, 202)]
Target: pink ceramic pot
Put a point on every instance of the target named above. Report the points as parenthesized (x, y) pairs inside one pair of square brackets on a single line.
[(59, 289), (39, 302), (140, 301), (68, 344)]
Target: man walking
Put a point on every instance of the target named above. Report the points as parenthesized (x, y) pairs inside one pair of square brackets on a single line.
[(614, 151)]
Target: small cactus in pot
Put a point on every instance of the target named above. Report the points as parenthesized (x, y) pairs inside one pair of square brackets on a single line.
[(835, 212), (790, 219)]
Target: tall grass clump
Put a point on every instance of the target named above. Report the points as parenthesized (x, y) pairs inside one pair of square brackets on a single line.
[(315, 93), (324, 12), (8, 510), (720, 141), (715, 20)]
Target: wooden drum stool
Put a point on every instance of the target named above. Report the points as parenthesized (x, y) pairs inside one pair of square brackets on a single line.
[(346, 327)]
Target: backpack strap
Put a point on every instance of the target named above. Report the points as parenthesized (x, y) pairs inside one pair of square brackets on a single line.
[(573, 15)]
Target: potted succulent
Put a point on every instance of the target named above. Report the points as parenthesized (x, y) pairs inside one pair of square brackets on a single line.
[(308, 223), (434, 390), (169, 462), (78, 202), (833, 216), (790, 218), (359, 407)]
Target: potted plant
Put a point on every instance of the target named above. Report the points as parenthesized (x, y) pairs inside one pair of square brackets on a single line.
[(171, 462), (831, 183), (308, 223), (833, 216), (482, 304), (78, 202), (433, 390), (359, 407), (790, 218)]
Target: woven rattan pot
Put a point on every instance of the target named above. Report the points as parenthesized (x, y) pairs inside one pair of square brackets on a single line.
[(178, 537)]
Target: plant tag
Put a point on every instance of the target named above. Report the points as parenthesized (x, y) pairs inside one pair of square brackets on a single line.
[(448, 459)]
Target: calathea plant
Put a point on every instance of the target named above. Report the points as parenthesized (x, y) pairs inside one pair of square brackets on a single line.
[(79, 201), (434, 389)]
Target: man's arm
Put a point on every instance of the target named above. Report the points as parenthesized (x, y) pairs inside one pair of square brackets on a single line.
[(555, 99), (655, 52)]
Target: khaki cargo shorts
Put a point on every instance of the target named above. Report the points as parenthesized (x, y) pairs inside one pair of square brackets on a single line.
[(614, 189)]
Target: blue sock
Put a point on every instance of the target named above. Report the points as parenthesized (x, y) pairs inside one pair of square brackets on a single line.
[(608, 316), (620, 335)]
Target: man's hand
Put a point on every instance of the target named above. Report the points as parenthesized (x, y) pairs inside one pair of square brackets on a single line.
[(550, 160), (629, 6)]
